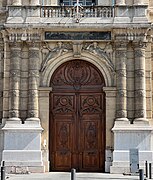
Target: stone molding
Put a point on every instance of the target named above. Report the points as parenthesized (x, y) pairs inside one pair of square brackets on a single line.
[(121, 114), (34, 54), (121, 93), (121, 73), (139, 73), (15, 45), (13, 113), (139, 53), (140, 113), (140, 93), (33, 73), (14, 93), (33, 93), (15, 73), (139, 44)]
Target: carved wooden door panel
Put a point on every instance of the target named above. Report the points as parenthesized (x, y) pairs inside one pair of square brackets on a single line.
[(77, 118), (92, 135), (62, 130)]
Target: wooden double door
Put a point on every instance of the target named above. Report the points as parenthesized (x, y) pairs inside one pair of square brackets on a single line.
[(77, 120)]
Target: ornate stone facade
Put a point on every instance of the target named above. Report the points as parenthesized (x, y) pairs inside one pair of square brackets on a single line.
[(35, 41)]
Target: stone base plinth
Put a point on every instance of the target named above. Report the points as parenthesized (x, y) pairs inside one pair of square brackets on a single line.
[(121, 163), (108, 159), (131, 136), (22, 147)]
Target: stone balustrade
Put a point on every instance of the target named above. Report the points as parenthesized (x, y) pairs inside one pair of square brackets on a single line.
[(70, 11)]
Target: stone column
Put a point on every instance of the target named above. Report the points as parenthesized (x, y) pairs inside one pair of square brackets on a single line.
[(138, 2), (120, 2), (140, 91), (15, 63), (33, 111), (34, 2), (121, 104), (17, 2)]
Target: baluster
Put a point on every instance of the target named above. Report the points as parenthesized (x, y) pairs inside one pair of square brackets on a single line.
[(104, 12), (59, 12), (107, 13), (90, 14), (101, 12), (50, 13), (71, 12), (86, 12), (42, 12), (56, 12), (96, 12), (93, 12), (62, 12), (53, 12), (111, 12), (45, 12)]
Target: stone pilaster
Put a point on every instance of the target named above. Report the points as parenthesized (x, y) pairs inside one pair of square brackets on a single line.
[(33, 112), (121, 101), (14, 97), (17, 2), (140, 91), (120, 2)]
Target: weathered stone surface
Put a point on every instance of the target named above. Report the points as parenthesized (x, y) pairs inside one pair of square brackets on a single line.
[(28, 61)]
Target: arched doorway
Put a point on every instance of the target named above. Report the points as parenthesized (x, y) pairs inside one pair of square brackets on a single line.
[(77, 118)]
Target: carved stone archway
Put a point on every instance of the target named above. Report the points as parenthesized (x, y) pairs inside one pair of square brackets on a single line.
[(104, 67), (108, 73)]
